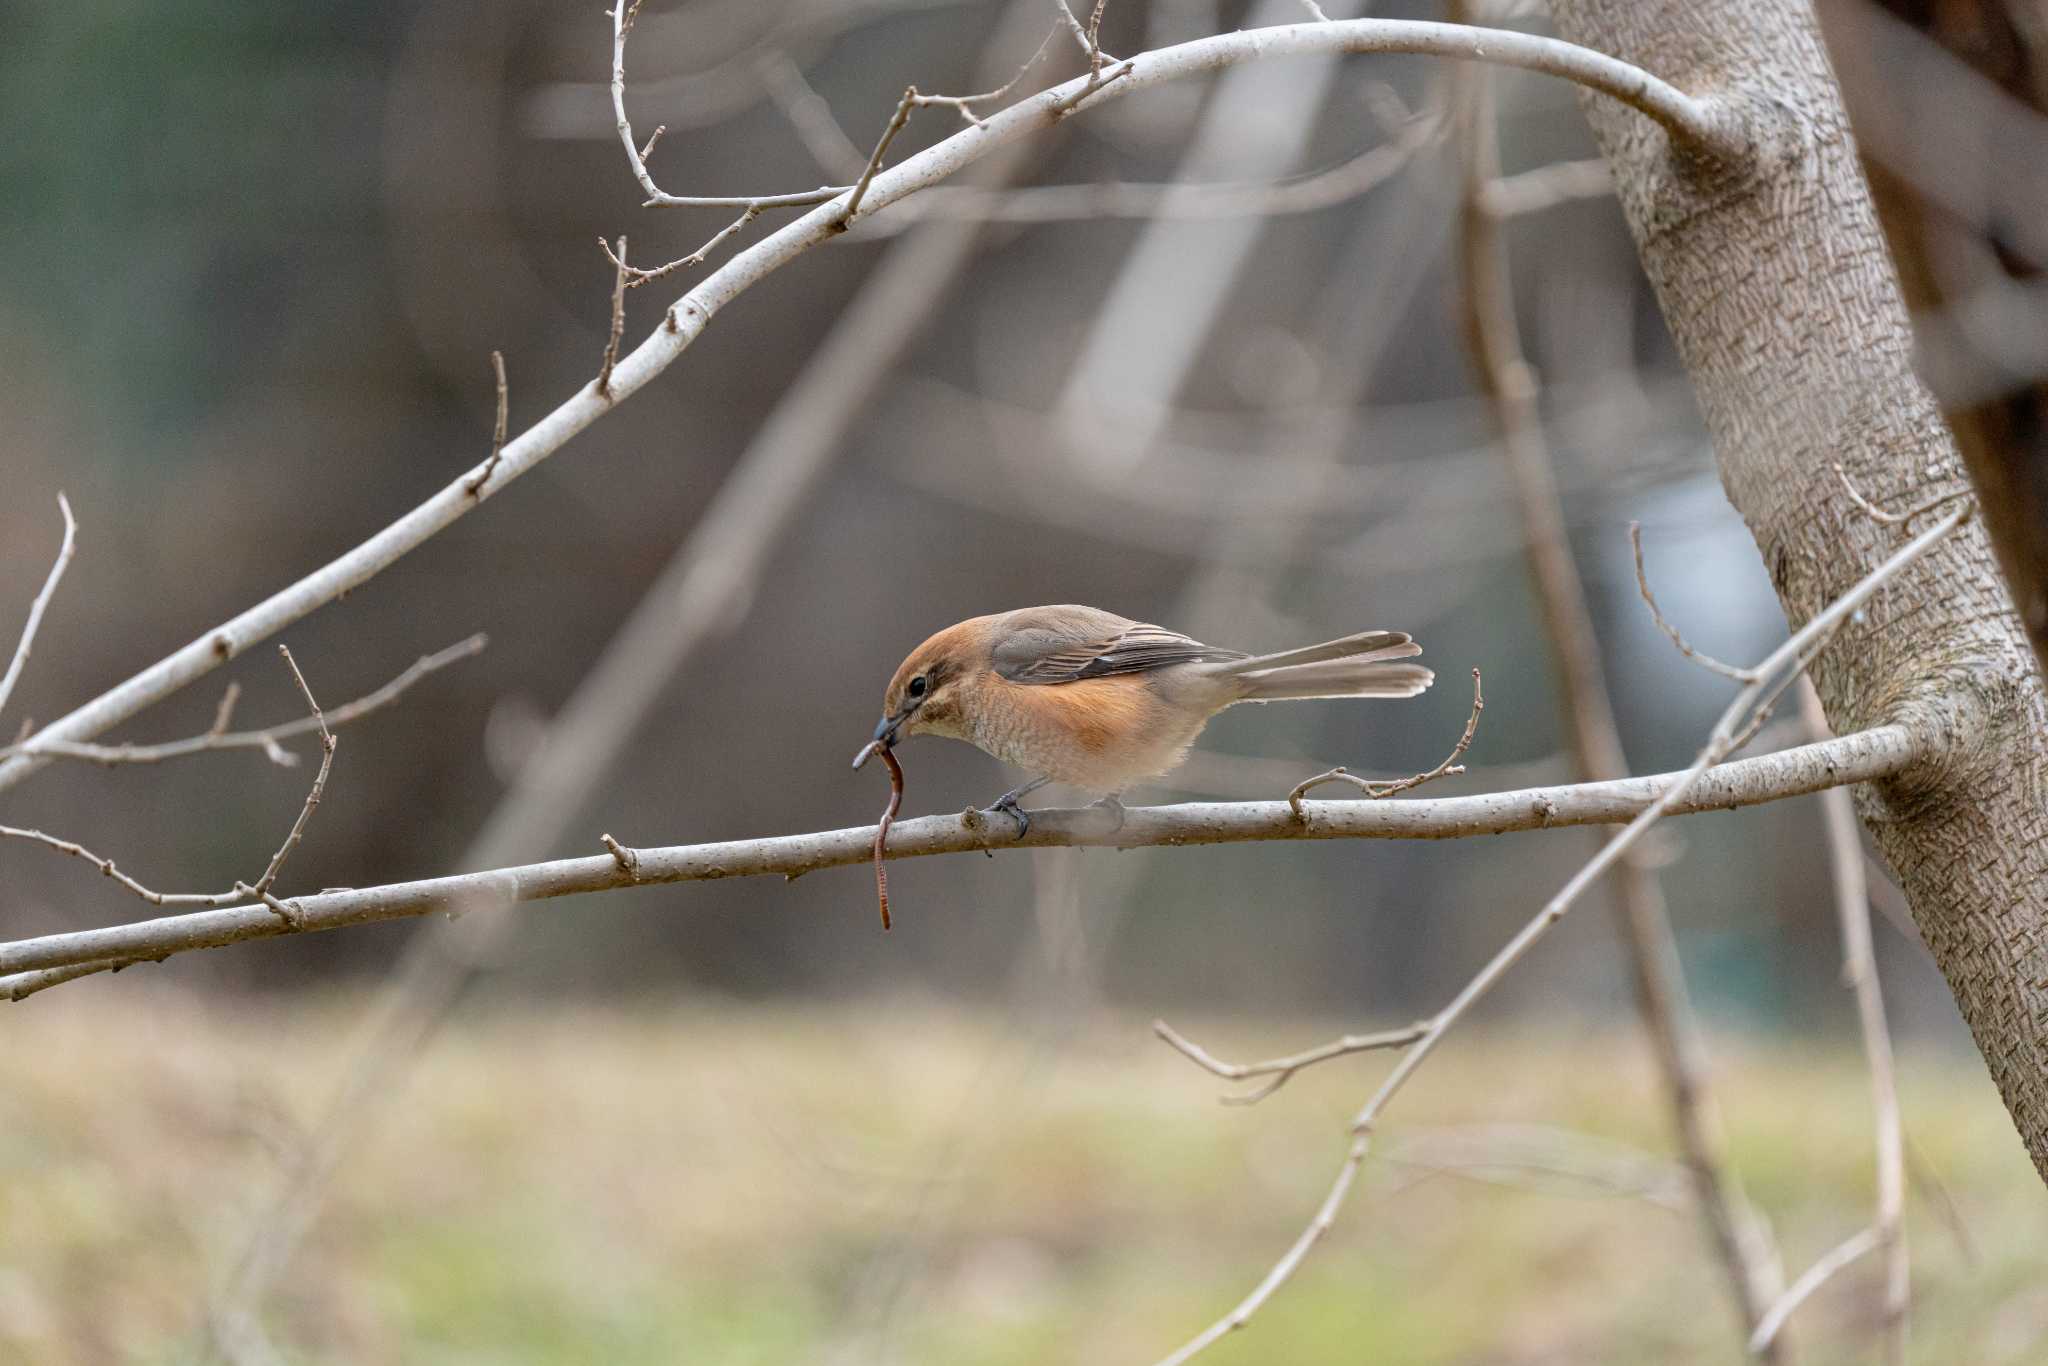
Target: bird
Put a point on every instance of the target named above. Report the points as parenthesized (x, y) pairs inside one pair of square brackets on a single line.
[(1098, 701)]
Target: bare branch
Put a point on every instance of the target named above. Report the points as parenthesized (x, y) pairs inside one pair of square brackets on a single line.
[(218, 737), (41, 602), (1878, 514), (1282, 1070), (635, 277), (1546, 187), (1122, 199), (476, 483), (964, 104), (611, 345), (1869, 755), (1642, 916), (1859, 972), (287, 915), (298, 830), (636, 156), (1700, 657), (1810, 636), (889, 132), (1797, 1294), (1376, 789), (1705, 122)]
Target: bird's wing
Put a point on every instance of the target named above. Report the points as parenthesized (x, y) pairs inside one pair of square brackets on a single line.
[(1068, 645)]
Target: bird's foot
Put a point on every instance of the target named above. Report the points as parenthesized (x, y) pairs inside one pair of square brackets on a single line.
[(1007, 804), (1114, 805)]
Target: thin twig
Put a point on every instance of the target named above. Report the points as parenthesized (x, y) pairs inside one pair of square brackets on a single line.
[(618, 330), (1375, 789), (240, 891), (867, 175), (1089, 42), (1863, 757), (1814, 632), (483, 476), (1700, 657), (1859, 972), (218, 737), (635, 277), (1878, 514), (1282, 1070), (41, 602), (963, 104), (327, 745), (1815, 1277), (622, 24)]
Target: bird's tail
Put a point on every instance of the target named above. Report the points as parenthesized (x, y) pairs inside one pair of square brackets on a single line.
[(1355, 666)]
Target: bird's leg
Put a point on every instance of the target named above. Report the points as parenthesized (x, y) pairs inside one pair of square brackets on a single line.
[(1007, 804), (1114, 805)]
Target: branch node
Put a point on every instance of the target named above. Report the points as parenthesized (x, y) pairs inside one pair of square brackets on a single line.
[(627, 859)]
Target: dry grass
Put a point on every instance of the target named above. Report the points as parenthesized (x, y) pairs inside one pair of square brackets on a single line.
[(897, 1181)]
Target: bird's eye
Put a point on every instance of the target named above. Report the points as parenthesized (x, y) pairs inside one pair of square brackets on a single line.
[(918, 686)]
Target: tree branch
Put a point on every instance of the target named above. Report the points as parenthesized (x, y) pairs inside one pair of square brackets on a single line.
[(219, 737), (1792, 656), (1873, 754), (1702, 122), (1663, 1000), (1859, 971), (41, 603)]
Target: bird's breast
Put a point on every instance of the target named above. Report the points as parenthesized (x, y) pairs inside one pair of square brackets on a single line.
[(1099, 734)]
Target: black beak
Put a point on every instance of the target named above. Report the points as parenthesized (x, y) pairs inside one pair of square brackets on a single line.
[(885, 738)]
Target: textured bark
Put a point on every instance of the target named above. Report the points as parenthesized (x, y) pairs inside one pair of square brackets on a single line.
[(1776, 284), (1947, 102)]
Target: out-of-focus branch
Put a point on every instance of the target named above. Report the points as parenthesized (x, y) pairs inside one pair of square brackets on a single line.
[(1859, 971), (715, 571), (1119, 199), (1279, 1071), (1790, 656), (269, 739), (1701, 122), (41, 602), (1815, 1276), (1869, 755), (1593, 736)]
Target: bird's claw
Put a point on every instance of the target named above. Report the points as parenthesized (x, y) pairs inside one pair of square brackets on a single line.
[(1008, 806)]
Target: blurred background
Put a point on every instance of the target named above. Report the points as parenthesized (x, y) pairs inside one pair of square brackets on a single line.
[(259, 259)]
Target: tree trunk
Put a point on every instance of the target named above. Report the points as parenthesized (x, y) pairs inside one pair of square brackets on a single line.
[(1778, 289)]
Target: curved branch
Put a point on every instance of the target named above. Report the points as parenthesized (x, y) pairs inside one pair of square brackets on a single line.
[(42, 601), (1702, 122), (1862, 757)]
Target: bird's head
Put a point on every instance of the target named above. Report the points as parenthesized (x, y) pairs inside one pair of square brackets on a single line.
[(926, 696)]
